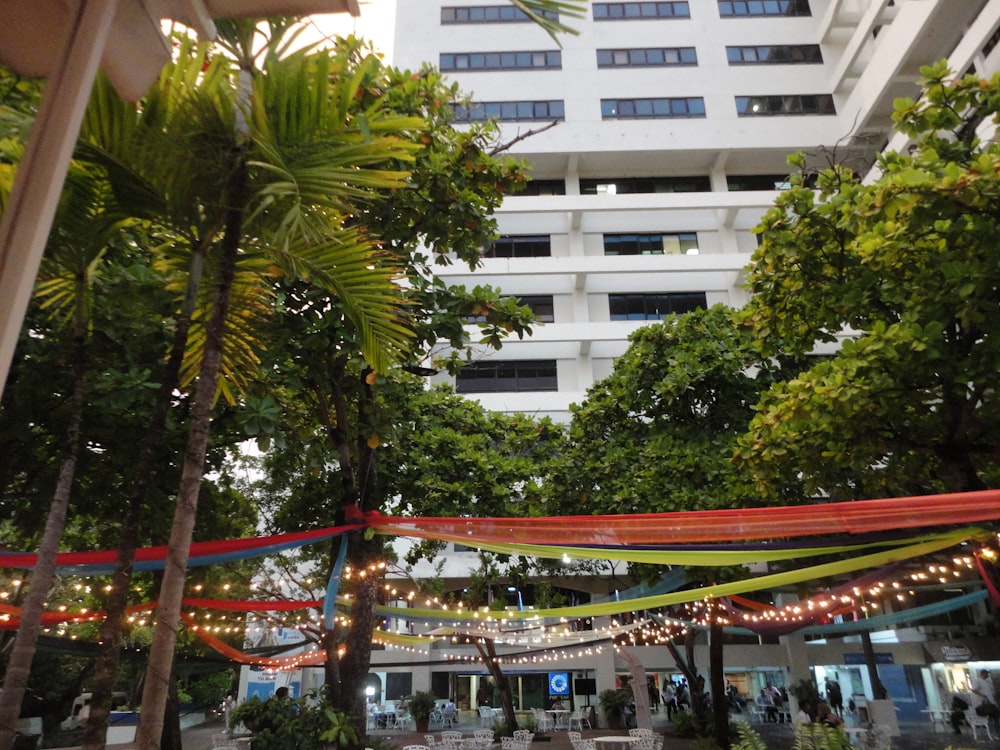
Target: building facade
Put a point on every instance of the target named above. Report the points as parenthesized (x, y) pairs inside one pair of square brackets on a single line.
[(674, 123)]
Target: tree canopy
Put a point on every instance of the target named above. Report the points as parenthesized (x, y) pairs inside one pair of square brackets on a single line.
[(900, 277)]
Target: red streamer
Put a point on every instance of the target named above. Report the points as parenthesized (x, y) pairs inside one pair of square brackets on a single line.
[(855, 517)]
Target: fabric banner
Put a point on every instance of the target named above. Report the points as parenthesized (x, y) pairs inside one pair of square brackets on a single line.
[(818, 519)]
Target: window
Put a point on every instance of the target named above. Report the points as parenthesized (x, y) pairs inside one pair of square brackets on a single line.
[(776, 106), (640, 109), (510, 376), (758, 182), (684, 243), (652, 57), (551, 59), (520, 246), (524, 111), (544, 187), (731, 8), (991, 43), (631, 11), (654, 306), (541, 305), (738, 182), (490, 14), (622, 185), (775, 54)]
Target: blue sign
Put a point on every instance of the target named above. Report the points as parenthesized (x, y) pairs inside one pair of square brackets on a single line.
[(558, 683)]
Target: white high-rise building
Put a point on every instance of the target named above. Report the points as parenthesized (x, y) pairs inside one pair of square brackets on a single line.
[(675, 119)]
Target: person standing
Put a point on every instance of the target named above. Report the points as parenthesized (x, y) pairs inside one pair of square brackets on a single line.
[(669, 699), (982, 686), (835, 697)]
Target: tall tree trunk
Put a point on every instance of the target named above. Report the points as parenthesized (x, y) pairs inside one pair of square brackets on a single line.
[(23, 650), (345, 673), (358, 646), (488, 653), (161, 655), (720, 701), (102, 685), (878, 690)]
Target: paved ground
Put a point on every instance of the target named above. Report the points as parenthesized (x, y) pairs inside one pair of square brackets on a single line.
[(919, 736)]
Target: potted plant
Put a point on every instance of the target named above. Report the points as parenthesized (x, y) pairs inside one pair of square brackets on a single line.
[(421, 704), (613, 702)]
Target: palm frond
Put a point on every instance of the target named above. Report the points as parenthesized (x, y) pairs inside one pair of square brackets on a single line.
[(352, 269), (541, 12)]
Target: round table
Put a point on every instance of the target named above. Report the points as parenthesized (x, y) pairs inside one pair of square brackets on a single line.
[(615, 742), (559, 717)]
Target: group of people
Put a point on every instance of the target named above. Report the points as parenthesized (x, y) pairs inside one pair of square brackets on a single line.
[(822, 714), (676, 697), (773, 700)]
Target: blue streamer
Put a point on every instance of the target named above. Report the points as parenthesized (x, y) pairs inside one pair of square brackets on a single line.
[(333, 586)]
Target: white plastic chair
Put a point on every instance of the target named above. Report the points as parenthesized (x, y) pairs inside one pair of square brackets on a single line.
[(430, 740), (404, 721), (543, 722), (578, 718), (485, 716), (449, 716), (976, 722), (574, 736), (451, 736), (485, 736), (524, 735)]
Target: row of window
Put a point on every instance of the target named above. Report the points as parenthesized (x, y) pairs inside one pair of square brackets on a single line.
[(633, 243), (625, 185), (490, 14), (633, 306), (650, 57), (523, 375), (630, 11), (633, 185), (661, 108), (524, 60), (509, 376), (640, 57), (512, 111)]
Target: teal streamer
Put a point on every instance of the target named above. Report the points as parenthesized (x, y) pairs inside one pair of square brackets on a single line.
[(878, 622), (333, 585)]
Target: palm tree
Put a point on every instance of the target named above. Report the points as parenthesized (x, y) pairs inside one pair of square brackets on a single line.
[(295, 158), (65, 292)]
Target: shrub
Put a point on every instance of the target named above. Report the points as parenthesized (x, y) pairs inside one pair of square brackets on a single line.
[(293, 724)]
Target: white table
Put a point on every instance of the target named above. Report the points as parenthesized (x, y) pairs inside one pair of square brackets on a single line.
[(615, 742), (559, 717)]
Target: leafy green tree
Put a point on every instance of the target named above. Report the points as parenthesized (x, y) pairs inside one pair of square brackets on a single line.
[(329, 398), (658, 434), (900, 277), (66, 288)]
